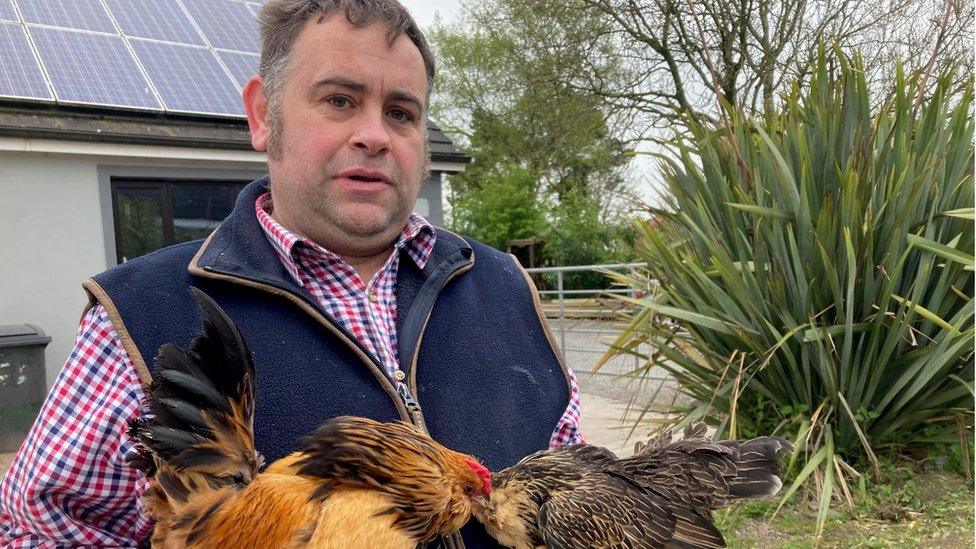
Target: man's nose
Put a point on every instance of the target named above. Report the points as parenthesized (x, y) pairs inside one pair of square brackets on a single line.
[(371, 136)]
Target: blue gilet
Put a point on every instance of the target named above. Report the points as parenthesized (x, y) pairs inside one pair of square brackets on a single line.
[(483, 376)]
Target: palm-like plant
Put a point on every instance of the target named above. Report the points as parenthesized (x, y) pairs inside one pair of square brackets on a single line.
[(820, 264)]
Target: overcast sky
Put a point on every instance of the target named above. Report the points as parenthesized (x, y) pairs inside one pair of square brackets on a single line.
[(423, 10)]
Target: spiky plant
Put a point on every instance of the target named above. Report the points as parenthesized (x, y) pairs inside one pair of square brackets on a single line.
[(820, 265)]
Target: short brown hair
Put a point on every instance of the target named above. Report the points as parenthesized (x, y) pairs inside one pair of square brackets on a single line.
[(282, 21)]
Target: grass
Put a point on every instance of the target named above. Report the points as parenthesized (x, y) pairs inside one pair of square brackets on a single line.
[(921, 509)]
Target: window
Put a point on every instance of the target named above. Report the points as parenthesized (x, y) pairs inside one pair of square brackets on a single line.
[(151, 214)]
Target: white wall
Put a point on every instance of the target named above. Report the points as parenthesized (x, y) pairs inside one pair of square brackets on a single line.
[(52, 237)]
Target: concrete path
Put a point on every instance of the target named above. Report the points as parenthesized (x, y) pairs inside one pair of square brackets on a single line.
[(5, 460), (609, 423)]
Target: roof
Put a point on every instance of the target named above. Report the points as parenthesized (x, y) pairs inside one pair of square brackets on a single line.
[(131, 127), (442, 149), (107, 126), (135, 71)]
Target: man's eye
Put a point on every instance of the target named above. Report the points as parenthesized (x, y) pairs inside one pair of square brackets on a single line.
[(401, 115), (339, 102)]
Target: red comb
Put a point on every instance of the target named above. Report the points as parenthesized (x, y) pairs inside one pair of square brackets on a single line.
[(483, 472)]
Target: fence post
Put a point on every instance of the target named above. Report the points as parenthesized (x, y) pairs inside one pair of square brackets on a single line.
[(562, 312), (637, 364)]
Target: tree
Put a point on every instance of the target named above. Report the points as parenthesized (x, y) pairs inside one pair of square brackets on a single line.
[(538, 141), (503, 207), (579, 234), (688, 57), (502, 91)]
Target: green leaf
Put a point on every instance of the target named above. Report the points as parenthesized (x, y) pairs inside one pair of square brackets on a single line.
[(961, 213), (828, 483), (775, 213), (926, 314), (704, 321), (964, 383), (941, 250), (802, 476), (860, 435), (826, 332)]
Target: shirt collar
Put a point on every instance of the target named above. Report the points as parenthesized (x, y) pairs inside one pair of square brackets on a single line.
[(417, 237)]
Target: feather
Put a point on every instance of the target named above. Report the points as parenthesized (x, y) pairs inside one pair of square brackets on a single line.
[(757, 467), (662, 496), (191, 389), (189, 414), (201, 411)]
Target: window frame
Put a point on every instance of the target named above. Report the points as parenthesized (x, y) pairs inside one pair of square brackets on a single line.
[(114, 182)]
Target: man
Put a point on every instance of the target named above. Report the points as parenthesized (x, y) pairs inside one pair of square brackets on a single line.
[(350, 304)]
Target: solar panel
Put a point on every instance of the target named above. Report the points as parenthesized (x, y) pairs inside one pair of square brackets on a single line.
[(227, 25), (189, 79), (159, 19), (190, 56), (7, 11), (20, 73), (72, 14), (92, 69), (242, 65)]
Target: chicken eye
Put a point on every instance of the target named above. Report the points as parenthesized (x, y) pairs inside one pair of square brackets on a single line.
[(468, 490)]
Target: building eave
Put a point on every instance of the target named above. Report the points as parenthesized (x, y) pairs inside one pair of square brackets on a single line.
[(51, 123), (116, 127)]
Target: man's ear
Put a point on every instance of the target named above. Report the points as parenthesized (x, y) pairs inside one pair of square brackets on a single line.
[(256, 107)]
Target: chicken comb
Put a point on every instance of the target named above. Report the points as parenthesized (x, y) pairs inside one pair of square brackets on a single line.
[(483, 472)]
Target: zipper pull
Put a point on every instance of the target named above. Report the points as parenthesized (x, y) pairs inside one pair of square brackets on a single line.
[(406, 397), (413, 407)]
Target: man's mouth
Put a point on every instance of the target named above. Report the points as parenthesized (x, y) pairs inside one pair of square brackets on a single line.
[(364, 175)]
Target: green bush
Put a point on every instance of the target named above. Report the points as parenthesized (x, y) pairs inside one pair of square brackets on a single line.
[(504, 207), (577, 235), (820, 264)]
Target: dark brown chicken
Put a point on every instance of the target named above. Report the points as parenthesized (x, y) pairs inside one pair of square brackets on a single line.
[(583, 496), (356, 482)]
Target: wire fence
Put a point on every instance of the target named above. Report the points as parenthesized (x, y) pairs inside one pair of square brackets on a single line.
[(586, 321)]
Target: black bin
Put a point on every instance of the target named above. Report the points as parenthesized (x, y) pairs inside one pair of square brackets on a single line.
[(23, 382)]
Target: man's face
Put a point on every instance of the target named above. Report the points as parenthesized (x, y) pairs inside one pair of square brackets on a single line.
[(350, 155)]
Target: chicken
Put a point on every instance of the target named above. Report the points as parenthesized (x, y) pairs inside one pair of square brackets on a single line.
[(583, 496), (355, 483)]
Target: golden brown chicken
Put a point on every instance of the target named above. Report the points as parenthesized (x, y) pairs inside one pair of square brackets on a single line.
[(583, 497), (356, 482)]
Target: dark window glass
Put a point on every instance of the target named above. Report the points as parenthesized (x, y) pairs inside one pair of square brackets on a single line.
[(140, 221), (198, 209), (152, 214)]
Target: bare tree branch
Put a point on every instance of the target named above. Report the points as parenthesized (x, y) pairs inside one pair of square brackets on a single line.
[(694, 54)]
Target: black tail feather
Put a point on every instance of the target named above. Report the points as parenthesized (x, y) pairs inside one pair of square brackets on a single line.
[(142, 459), (201, 407), (224, 351), (758, 466), (705, 473)]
